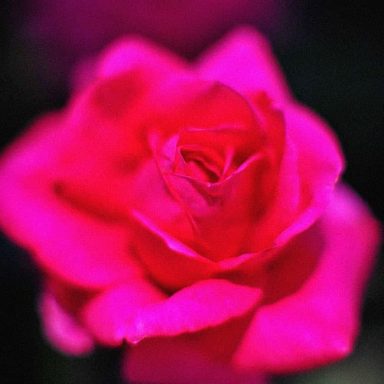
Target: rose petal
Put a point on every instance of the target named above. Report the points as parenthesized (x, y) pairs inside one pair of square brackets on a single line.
[(178, 361), (320, 163), (102, 147), (62, 329), (318, 324), (135, 312), (106, 315), (222, 212), (185, 101), (170, 262), (284, 207), (124, 55), (78, 248), (128, 53), (244, 61), (311, 166), (275, 265)]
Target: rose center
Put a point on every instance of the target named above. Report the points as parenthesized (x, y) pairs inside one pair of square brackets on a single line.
[(202, 163)]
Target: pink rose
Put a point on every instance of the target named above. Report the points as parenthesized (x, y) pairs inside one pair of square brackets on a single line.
[(193, 211)]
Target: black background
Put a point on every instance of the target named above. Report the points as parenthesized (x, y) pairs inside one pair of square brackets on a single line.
[(333, 59)]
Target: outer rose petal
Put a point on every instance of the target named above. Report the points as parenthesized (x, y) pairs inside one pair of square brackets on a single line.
[(76, 247), (124, 55), (311, 166), (62, 329), (318, 324), (244, 61), (320, 164), (135, 312), (106, 316), (176, 361), (128, 53)]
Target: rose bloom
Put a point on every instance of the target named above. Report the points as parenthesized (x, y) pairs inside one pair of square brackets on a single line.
[(193, 211)]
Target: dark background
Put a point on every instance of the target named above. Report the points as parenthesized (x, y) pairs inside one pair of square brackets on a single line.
[(332, 54)]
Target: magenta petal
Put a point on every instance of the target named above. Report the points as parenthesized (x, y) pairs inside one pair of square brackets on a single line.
[(204, 304), (106, 316), (168, 260), (319, 163), (73, 246), (311, 167), (244, 60), (318, 324), (175, 361), (138, 310), (62, 329), (129, 53)]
